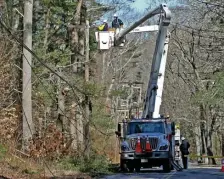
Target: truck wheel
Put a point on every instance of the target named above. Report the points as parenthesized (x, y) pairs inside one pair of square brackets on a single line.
[(131, 169), (123, 165), (130, 166), (167, 166), (137, 165), (137, 168)]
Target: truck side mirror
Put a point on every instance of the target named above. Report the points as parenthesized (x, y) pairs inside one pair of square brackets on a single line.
[(118, 132), (173, 128)]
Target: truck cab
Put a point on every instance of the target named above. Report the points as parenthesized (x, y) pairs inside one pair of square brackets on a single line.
[(145, 143)]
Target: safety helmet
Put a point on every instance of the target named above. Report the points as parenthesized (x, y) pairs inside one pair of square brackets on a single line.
[(115, 15), (182, 138), (104, 20)]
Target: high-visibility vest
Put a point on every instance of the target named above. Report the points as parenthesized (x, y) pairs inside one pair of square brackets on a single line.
[(101, 27)]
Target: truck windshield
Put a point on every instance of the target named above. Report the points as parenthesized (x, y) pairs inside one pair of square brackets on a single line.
[(145, 127)]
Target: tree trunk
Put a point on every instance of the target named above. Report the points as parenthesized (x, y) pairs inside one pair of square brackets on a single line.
[(222, 145), (108, 99), (209, 151), (87, 100), (75, 39), (28, 127), (77, 43), (73, 127), (61, 106), (198, 143), (204, 146), (210, 134), (203, 131), (47, 20)]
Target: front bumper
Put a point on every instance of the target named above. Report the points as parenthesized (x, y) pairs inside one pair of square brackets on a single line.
[(151, 155)]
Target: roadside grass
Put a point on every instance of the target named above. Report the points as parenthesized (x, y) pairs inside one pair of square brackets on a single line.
[(96, 165), (3, 151), (15, 166)]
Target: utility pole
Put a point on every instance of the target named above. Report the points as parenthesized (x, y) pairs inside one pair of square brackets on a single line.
[(104, 66), (87, 52), (28, 128), (87, 100)]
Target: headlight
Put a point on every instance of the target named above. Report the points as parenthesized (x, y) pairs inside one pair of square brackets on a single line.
[(163, 147), (124, 148)]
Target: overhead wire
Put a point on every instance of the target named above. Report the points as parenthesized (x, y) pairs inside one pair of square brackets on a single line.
[(9, 31), (38, 58), (62, 111)]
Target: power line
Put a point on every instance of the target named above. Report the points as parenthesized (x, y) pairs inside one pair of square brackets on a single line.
[(46, 66), (52, 97), (38, 58), (41, 61), (63, 111)]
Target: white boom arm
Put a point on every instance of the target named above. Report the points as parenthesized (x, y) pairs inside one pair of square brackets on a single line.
[(158, 92), (153, 97)]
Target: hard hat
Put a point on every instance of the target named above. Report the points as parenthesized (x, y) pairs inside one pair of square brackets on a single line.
[(115, 15), (182, 138), (104, 20)]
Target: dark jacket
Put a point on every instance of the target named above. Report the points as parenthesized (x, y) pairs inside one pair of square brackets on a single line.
[(105, 27), (116, 23), (184, 147)]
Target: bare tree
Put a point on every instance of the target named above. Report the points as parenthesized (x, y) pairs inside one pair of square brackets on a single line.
[(28, 127)]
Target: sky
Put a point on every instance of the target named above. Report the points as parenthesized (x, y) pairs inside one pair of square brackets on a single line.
[(139, 9), (139, 5)]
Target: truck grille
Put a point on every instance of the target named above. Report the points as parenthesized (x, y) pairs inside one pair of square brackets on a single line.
[(152, 140), (133, 142)]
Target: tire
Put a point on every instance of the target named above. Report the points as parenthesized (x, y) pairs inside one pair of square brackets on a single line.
[(131, 169), (137, 164), (137, 168), (123, 165), (130, 166), (167, 166)]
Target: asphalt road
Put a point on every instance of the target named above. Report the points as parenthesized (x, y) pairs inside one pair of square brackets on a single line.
[(193, 172)]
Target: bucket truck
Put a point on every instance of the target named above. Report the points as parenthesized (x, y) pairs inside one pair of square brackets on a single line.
[(150, 140)]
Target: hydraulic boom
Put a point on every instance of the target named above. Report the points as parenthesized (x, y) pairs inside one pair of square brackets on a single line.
[(162, 9), (155, 85)]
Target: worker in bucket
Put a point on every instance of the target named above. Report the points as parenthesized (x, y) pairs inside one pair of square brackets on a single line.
[(117, 23), (104, 26), (184, 151)]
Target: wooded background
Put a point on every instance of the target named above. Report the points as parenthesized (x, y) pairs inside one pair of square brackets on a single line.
[(65, 97)]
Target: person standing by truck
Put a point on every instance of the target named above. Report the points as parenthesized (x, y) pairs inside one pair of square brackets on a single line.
[(184, 151)]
